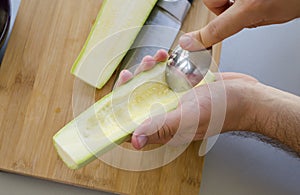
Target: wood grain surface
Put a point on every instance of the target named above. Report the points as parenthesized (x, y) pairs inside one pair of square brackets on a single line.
[(36, 92)]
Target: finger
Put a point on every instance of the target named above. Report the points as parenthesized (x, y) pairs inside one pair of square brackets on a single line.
[(161, 55), (217, 6), (147, 63), (228, 23), (124, 77), (159, 129)]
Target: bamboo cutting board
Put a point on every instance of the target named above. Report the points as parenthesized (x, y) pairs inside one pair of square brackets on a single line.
[(36, 90)]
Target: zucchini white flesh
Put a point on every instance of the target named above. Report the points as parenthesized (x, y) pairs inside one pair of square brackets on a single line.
[(113, 118), (115, 29)]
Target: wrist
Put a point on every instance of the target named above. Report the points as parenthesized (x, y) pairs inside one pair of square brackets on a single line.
[(260, 113), (254, 108), (276, 114), (241, 111), (265, 106)]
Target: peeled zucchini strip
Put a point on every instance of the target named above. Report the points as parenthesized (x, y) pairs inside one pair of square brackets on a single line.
[(113, 118), (115, 29)]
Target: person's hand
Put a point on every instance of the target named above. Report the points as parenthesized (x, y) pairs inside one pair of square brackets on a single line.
[(191, 119), (242, 14), (147, 63)]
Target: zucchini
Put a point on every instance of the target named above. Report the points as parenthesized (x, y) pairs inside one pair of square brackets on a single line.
[(112, 119), (115, 29)]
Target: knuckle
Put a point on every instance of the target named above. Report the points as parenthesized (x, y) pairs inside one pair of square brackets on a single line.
[(158, 135), (199, 36), (215, 32), (167, 132), (200, 134)]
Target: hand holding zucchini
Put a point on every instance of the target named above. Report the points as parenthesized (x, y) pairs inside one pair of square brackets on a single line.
[(162, 128), (112, 119)]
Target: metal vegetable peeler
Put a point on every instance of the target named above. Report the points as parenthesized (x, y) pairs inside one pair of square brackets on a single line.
[(186, 69)]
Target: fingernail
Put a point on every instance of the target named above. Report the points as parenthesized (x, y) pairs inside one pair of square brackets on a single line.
[(142, 140), (185, 41), (122, 74)]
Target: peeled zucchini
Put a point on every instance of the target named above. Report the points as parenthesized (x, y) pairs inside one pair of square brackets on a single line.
[(112, 119), (116, 27)]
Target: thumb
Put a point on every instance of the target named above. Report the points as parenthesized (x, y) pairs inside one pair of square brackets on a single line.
[(226, 24), (175, 128), (156, 130)]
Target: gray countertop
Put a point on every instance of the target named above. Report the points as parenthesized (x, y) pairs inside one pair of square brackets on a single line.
[(11, 184), (243, 164)]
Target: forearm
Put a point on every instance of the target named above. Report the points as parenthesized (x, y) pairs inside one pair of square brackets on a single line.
[(276, 114)]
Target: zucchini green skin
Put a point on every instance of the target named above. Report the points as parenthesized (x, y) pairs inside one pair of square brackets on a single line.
[(114, 31), (111, 120)]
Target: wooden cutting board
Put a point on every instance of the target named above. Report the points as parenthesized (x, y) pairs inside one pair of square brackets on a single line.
[(36, 90)]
